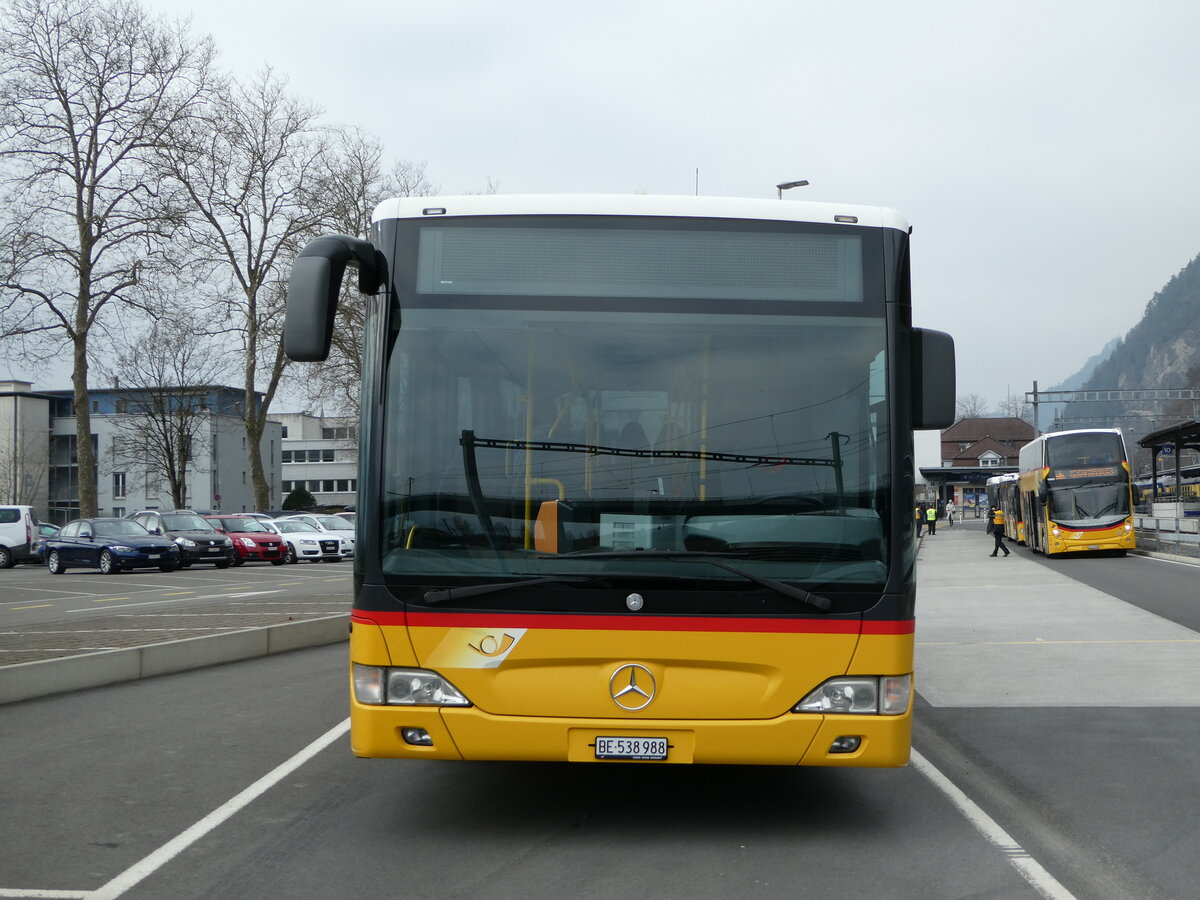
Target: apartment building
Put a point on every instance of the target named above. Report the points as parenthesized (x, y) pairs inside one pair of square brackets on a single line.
[(129, 474), (320, 454)]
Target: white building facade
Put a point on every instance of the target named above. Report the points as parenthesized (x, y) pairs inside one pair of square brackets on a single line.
[(320, 455), (24, 445), (41, 427)]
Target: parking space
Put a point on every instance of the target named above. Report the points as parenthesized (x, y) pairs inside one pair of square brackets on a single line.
[(43, 616)]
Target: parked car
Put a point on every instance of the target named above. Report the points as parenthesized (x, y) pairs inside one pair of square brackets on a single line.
[(17, 527), (41, 532), (110, 545), (198, 540), (305, 541), (347, 515), (330, 525), (252, 540)]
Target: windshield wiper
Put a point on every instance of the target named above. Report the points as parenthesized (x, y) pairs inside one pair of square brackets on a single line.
[(475, 590), (713, 559)]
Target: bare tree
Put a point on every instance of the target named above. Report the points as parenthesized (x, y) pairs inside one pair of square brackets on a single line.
[(163, 420), (251, 171), (1014, 405), (354, 182), (89, 91), (970, 406)]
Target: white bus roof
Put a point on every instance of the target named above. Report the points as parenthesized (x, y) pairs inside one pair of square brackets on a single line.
[(1050, 434), (639, 205)]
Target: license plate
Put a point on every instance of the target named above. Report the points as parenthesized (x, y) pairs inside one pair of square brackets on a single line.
[(631, 748), (214, 549), (153, 555)]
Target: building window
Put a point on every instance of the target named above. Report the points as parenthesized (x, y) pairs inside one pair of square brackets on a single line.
[(118, 512), (286, 456), (285, 432), (990, 459), (118, 485)]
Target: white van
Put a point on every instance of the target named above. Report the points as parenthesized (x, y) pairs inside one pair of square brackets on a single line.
[(18, 527)]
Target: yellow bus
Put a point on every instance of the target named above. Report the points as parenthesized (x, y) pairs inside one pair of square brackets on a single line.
[(1076, 492), (1003, 492), (636, 477)]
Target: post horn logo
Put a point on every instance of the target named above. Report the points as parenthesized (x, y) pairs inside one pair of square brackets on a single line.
[(632, 687)]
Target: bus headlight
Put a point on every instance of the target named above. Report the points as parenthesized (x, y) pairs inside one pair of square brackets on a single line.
[(376, 685), (887, 696)]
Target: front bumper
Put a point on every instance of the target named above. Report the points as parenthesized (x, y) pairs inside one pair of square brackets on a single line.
[(471, 734)]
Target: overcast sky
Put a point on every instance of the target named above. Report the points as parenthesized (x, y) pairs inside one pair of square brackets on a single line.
[(1046, 154)]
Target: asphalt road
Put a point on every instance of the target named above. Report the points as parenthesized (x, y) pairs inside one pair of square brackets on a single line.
[(44, 616), (1072, 783)]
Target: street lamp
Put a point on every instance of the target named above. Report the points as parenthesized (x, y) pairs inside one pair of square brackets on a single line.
[(788, 185)]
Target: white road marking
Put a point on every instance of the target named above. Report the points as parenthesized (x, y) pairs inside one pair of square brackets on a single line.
[(1031, 870), (168, 851), (190, 599)]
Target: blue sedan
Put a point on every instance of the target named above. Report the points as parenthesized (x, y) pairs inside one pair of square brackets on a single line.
[(110, 545)]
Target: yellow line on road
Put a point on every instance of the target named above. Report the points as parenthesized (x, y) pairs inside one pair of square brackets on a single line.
[(178, 593), (36, 606), (110, 599)]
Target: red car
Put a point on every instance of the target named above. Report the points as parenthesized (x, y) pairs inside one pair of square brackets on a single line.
[(251, 539)]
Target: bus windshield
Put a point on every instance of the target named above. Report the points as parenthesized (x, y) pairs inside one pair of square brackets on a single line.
[(1089, 503), (533, 441), (1095, 448)]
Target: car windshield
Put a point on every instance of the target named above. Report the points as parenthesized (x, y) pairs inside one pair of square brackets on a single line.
[(333, 523), (243, 525), (123, 528), (186, 522), (292, 526)]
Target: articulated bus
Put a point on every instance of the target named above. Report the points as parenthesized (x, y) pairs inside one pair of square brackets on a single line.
[(1076, 492), (1003, 492), (636, 478)]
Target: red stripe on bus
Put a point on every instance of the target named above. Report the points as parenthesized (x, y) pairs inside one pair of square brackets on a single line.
[(585, 622)]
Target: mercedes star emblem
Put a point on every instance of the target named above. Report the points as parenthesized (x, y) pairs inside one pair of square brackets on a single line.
[(632, 687)]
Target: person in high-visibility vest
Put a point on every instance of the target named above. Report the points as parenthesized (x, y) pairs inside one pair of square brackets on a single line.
[(998, 530), (931, 518)]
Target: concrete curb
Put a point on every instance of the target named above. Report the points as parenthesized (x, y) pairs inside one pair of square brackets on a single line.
[(26, 681)]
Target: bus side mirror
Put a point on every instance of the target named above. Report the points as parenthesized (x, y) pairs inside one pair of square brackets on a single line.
[(313, 287), (933, 383)]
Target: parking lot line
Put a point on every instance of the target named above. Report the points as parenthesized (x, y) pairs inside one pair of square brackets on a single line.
[(168, 851), (35, 606)]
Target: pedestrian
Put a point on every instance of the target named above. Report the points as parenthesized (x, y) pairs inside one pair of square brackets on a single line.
[(997, 516), (931, 518), (920, 513), (950, 510)]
